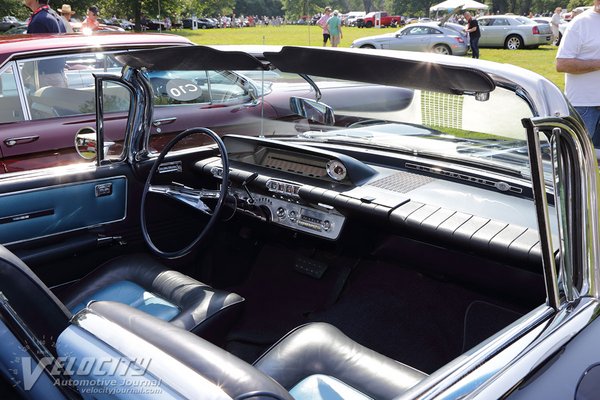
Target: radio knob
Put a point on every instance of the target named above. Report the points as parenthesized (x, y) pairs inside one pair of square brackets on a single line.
[(280, 213), (326, 225), (293, 216)]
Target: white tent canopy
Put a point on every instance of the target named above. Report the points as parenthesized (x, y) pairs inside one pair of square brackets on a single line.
[(452, 4)]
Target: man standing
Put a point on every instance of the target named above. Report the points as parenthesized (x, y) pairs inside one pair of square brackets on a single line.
[(554, 23), (44, 19), (579, 57), (66, 13), (474, 34), (334, 26), (322, 22)]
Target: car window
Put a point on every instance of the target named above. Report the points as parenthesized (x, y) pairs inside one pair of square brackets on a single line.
[(195, 87), (419, 30), (10, 105), (485, 21), (64, 86), (500, 22)]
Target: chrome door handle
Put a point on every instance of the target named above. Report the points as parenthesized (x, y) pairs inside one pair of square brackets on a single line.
[(20, 140), (163, 121)]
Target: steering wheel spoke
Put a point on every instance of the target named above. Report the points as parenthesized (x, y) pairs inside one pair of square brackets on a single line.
[(187, 195), (196, 198)]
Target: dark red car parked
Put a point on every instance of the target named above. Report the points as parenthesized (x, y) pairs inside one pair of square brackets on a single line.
[(47, 97)]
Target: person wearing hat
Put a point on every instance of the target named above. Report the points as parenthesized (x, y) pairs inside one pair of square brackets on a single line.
[(66, 14), (43, 19), (334, 26)]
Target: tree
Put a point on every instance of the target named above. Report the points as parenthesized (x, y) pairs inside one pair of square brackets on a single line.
[(14, 8)]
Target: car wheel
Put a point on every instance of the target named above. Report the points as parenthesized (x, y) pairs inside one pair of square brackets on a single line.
[(513, 42), (369, 24), (367, 46), (442, 49), (203, 26)]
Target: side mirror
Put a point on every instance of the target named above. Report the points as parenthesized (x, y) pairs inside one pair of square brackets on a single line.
[(86, 144), (312, 110)]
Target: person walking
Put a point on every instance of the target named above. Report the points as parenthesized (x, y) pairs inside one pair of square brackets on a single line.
[(334, 26), (472, 29), (91, 20), (66, 13), (554, 23), (43, 19), (322, 22), (578, 57)]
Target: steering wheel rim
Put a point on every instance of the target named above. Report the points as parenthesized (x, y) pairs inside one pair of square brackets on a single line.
[(220, 201)]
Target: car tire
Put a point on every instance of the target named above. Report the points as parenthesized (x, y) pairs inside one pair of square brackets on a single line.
[(369, 24), (367, 46), (514, 42), (441, 49), (203, 26)]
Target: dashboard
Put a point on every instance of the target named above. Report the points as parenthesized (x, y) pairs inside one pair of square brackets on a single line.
[(316, 191)]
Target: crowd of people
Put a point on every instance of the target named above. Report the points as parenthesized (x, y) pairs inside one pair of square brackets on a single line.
[(44, 19)]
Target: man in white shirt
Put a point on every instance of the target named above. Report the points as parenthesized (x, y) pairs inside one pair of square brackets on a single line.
[(579, 57)]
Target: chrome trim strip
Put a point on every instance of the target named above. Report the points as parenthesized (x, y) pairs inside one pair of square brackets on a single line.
[(563, 328), (541, 209)]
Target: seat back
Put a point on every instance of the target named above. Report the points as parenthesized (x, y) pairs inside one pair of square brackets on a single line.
[(37, 306), (189, 366)]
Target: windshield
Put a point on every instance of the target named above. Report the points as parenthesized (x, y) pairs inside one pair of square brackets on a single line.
[(484, 129), (477, 129)]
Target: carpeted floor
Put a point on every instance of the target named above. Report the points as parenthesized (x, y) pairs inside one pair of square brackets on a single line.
[(398, 312)]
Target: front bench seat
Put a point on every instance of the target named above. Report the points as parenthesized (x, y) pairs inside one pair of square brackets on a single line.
[(142, 282), (317, 361), (138, 280)]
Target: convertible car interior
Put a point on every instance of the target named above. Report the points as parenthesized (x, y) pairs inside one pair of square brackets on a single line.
[(404, 247)]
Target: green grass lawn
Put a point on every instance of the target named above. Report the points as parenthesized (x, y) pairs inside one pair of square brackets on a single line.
[(539, 60)]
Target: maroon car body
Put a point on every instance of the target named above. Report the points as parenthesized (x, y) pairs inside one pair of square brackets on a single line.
[(38, 131)]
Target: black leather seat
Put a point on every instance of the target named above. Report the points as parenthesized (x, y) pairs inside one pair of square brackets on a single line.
[(313, 362), (318, 358), (142, 282), (137, 280)]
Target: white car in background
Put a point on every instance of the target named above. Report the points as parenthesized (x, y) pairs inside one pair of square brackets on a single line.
[(513, 32)]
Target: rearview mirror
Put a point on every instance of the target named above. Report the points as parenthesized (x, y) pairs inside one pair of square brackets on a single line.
[(312, 110)]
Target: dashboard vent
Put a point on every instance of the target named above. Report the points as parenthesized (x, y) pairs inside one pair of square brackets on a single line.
[(499, 185), (402, 182)]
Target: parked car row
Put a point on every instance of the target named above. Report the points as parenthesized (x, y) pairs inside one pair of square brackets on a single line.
[(505, 31)]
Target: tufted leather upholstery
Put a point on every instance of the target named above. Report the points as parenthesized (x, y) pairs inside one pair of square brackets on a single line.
[(321, 349), (205, 311)]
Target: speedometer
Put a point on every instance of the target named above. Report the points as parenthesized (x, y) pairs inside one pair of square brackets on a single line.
[(336, 170)]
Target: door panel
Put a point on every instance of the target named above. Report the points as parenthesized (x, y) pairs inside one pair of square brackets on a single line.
[(40, 212)]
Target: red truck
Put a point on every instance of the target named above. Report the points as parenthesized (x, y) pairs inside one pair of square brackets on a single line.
[(368, 21)]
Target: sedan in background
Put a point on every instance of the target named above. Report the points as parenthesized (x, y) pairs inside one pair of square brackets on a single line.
[(513, 32), (9, 22), (428, 37)]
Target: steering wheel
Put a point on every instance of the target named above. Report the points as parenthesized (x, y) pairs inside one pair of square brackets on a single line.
[(187, 195)]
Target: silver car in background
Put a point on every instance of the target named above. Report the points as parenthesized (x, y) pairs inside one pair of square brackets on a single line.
[(513, 32), (428, 37)]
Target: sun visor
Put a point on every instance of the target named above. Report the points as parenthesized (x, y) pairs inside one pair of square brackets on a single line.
[(384, 70), (190, 58)]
